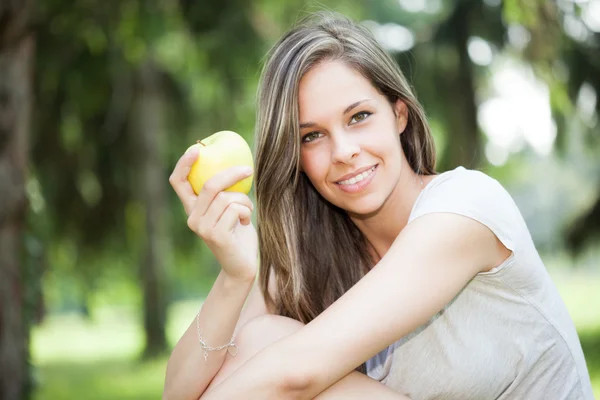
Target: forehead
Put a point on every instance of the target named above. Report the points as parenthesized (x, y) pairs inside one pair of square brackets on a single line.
[(330, 87)]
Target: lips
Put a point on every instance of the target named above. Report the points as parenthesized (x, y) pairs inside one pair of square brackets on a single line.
[(358, 183), (355, 173)]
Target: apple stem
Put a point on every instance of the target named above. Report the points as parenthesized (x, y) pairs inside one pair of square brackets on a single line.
[(199, 142)]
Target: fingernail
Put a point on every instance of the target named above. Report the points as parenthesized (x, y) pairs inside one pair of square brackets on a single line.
[(247, 171)]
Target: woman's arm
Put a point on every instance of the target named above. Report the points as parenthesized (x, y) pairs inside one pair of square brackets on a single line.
[(354, 386), (429, 263), (188, 373), (223, 221), (357, 386), (263, 331)]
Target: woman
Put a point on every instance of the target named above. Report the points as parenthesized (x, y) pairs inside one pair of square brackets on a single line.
[(370, 261)]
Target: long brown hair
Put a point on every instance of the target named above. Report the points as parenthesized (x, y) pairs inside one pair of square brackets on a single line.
[(314, 249)]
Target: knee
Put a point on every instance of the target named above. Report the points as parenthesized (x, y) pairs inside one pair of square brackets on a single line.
[(254, 336)]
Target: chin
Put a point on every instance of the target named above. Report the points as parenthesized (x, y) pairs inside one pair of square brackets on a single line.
[(363, 206), (363, 209)]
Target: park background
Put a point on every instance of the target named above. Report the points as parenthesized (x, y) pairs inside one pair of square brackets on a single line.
[(99, 274)]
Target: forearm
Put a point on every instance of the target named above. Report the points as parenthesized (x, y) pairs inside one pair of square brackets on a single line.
[(188, 373), (268, 375), (357, 386), (264, 385)]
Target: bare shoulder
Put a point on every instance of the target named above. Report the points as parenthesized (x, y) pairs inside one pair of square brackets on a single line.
[(451, 239)]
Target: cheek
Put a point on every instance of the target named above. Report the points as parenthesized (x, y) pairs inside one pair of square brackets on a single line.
[(390, 142), (381, 140), (314, 164)]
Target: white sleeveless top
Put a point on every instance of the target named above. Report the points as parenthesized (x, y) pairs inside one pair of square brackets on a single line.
[(507, 334)]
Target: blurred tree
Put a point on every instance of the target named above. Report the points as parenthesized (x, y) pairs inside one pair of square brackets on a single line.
[(79, 144), (99, 148), (110, 93), (441, 71), (16, 101), (583, 60), (560, 39), (557, 44), (149, 167)]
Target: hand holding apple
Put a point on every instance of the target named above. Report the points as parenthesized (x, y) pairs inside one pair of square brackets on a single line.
[(219, 151), (214, 196)]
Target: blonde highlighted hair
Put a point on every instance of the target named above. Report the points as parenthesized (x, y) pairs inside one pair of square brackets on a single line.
[(312, 246)]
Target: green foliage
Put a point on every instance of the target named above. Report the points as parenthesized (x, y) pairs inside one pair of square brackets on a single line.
[(522, 12), (83, 182), (87, 223)]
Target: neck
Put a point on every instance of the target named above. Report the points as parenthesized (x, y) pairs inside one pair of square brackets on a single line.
[(381, 227)]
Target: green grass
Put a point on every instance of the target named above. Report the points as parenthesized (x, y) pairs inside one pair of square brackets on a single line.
[(98, 359), (581, 294), (107, 379)]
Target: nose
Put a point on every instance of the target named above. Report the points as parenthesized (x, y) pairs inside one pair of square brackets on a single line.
[(344, 148)]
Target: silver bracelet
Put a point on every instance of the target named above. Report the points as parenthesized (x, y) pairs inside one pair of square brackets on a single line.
[(207, 348)]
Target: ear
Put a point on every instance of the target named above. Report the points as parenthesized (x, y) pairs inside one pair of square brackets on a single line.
[(401, 111)]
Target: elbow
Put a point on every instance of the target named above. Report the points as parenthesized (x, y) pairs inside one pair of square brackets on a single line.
[(171, 394), (284, 376), (297, 384), (169, 389), (295, 378), (168, 393), (293, 392)]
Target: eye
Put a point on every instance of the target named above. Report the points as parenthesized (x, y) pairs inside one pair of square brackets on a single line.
[(309, 137), (360, 116)]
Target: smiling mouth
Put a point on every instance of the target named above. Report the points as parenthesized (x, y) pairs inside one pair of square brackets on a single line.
[(358, 177)]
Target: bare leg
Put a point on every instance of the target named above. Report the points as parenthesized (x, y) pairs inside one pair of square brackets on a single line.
[(254, 336), (262, 331)]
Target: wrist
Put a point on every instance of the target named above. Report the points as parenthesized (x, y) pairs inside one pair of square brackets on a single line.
[(237, 283)]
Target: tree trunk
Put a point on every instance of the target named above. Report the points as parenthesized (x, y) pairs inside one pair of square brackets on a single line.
[(464, 142), (149, 133), (16, 62)]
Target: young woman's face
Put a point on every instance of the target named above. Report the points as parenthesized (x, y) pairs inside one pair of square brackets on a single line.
[(350, 144)]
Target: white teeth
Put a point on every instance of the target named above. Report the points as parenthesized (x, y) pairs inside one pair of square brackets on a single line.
[(357, 178)]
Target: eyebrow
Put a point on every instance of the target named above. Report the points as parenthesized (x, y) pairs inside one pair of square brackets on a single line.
[(346, 111)]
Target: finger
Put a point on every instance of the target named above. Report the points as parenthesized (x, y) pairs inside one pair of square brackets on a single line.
[(219, 183), (246, 219), (179, 181), (204, 224), (220, 204), (194, 222), (222, 201), (233, 214)]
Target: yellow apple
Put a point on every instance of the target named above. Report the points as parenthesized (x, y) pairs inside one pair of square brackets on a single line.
[(218, 152)]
